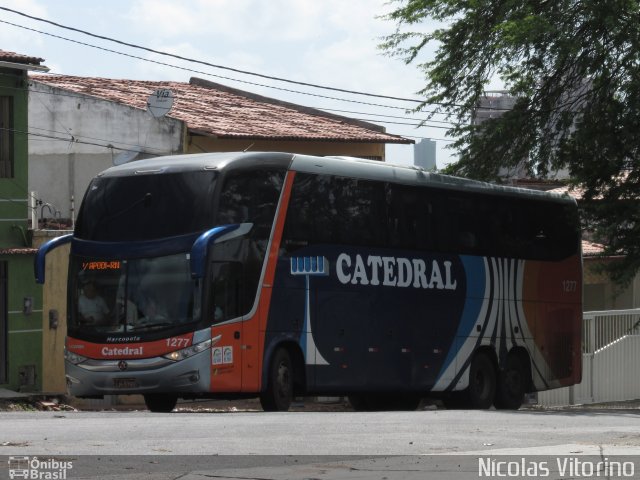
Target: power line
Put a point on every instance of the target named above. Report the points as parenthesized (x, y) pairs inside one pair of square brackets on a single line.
[(421, 124), (388, 116), (74, 140), (223, 67), (376, 116), (186, 69), (71, 139), (201, 62)]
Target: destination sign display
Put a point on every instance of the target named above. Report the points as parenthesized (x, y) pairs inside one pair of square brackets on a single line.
[(98, 265)]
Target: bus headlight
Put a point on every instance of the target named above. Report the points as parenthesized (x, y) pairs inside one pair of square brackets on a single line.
[(73, 357), (189, 351)]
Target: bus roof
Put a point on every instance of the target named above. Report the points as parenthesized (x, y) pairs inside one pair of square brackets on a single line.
[(331, 165)]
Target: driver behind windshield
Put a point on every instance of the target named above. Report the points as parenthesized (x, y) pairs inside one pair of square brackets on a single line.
[(91, 306)]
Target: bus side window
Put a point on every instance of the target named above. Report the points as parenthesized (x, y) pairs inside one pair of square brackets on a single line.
[(336, 210), (226, 291), (410, 217), (302, 215), (250, 196), (462, 233), (361, 208)]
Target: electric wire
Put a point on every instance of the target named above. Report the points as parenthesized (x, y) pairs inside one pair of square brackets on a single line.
[(73, 139), (200, 72), (202, 62), (223, 67), (380, 118)]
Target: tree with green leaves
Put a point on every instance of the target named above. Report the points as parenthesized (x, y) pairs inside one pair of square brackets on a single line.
[(573, 67)]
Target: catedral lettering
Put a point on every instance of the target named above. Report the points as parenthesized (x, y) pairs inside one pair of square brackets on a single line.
[(122, 352), (394, 272), (281, 275)]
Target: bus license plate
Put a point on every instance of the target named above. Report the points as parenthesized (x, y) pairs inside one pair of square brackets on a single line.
[(125, 383)]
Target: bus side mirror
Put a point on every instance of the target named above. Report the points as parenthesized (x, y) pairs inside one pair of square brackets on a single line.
[(203, 242), (39, 261)]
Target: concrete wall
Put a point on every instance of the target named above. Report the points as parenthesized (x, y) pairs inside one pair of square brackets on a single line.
[(90, 134), (54, 298), (600, 293)]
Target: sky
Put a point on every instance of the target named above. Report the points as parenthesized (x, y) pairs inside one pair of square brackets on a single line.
[(325, 42)]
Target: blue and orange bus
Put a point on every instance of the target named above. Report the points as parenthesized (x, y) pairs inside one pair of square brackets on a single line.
[(278, 275)]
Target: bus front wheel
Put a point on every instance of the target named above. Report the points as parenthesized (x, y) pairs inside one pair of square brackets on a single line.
[(279, 392), (160, 403), (482, 382)]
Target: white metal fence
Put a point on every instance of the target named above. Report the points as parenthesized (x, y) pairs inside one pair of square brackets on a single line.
[(610, 361)]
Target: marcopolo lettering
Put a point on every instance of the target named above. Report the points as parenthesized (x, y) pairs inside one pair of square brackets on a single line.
[(394, 272), (115, 351), (123, 339)]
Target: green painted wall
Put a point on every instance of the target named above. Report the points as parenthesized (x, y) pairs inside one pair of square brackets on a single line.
[(24, 331), (14, 191)]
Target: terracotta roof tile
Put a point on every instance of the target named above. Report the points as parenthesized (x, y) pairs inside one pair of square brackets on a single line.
[(18, 251), (591, 249), (6, 56), (223, 112), (570, 190)]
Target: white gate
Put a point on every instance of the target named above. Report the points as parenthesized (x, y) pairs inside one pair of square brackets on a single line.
[(610, 358)]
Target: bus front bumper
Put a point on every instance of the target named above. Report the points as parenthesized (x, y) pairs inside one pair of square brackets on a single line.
[(155, 375)]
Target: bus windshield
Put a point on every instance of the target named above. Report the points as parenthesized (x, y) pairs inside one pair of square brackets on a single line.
[(157, 294), (133, 296), (146, 207)]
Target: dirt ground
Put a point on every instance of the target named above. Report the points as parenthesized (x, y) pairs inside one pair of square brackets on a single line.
[(336, 404)]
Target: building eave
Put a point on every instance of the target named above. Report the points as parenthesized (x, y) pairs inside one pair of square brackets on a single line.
[(24, 66)]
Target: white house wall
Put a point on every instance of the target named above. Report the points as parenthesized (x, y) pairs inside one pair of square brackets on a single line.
[(90, 134)]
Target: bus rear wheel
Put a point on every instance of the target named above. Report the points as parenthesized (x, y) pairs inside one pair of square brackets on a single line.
[(160, 402), (279, 392), (512, 385), (482, 382)]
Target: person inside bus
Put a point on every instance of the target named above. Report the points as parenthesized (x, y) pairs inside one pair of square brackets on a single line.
[(151, 305), (91, 306)]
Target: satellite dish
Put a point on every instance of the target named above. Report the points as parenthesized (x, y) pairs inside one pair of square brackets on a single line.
[(160, 102)]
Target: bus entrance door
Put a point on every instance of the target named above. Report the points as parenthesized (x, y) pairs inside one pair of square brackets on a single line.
[(227, 331)]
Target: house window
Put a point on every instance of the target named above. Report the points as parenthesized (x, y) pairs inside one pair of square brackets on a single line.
[(6, 137), (4, 327)]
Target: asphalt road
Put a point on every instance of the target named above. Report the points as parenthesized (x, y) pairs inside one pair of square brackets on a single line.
[(307, 445)]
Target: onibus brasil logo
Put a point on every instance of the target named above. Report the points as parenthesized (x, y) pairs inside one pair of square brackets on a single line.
[(38, 469)]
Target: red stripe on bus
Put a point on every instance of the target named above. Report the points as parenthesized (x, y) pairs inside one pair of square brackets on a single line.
[(252, 367), (118, 351)]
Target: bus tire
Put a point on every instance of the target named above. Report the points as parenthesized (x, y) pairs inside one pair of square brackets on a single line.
[(512, 384), (279, 392), (160, 402), (482, 382)]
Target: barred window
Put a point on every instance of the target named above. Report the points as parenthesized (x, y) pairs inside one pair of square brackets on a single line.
[(6, 137)]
